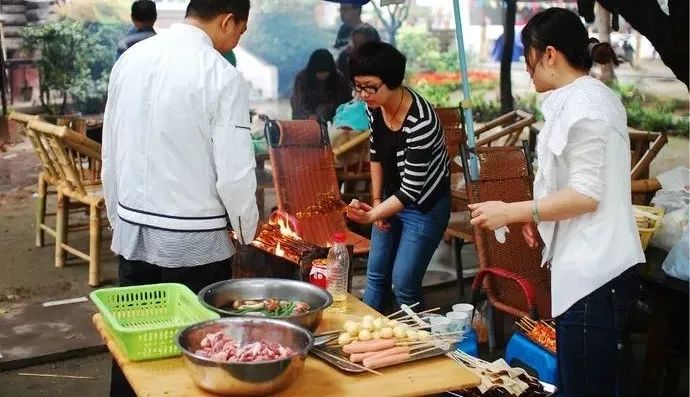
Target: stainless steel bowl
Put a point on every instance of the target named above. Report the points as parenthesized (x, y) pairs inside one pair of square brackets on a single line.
[(223, 293), (252, 378)]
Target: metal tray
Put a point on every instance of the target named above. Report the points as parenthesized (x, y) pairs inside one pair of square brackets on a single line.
[(319, 351)]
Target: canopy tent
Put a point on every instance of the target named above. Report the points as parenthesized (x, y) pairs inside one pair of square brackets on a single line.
[(466, 104)]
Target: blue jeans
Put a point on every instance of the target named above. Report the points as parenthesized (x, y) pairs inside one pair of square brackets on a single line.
[(586, 341), (400, 255)]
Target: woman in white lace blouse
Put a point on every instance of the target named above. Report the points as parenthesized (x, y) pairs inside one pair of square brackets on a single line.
[(581, 212)]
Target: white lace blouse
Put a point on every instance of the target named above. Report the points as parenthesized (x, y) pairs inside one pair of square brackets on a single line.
[(584, 145)]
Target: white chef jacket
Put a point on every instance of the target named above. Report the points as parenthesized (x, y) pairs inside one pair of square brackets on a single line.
[(584, 145), (177, 153)]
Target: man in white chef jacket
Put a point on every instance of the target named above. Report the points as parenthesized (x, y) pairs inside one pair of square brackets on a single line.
[(177, 156)]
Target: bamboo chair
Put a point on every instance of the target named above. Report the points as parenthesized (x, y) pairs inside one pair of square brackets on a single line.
[(353, 154), (77, 162), (644, 147), (517, 284), (303, 168), (46, 178)]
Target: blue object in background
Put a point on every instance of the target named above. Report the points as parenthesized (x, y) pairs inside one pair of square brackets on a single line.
[(497, 52), (522, 351), (469, 344)]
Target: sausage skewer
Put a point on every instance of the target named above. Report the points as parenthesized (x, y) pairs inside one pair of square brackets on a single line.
[(333, 356)]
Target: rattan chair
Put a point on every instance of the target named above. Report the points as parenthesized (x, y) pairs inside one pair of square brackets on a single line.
[(512, 275), (303, 170), (77, 162)]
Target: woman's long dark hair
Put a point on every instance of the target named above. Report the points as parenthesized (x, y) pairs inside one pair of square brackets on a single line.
[(321, 60), (563, 30)]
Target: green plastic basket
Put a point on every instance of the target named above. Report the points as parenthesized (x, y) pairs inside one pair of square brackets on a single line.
[(144, 320)]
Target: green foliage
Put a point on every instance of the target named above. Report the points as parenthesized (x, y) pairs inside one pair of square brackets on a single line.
[(423, 52), (285, 37), (110, 11), (89, 94), (485, 109), (436, 94), (64, 47), (657, 116), (75, 61), (530, 103)]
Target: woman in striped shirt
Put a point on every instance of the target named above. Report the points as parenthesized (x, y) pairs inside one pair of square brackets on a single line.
[(409, 173)]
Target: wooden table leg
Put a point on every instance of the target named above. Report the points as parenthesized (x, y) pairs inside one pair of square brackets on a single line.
[(456, 254)]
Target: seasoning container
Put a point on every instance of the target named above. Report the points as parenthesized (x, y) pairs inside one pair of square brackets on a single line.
[(319, 273)]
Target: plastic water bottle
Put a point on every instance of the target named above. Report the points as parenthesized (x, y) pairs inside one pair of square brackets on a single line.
[(338, 269)]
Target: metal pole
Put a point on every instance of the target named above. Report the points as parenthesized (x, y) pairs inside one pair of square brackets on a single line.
[(466, 103)]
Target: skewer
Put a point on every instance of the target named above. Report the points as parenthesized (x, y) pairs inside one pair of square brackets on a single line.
[(351, 363), (428, 348), (335, 331), (525, 330), (411, 343), (549, 325), (423, 312), (433, 335), (423, 351), (390, 316)]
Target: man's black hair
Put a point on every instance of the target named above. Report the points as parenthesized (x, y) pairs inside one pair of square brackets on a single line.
[(209, 9), (144, 11)]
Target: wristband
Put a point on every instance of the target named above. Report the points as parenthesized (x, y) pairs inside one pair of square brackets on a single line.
[(535, 212)]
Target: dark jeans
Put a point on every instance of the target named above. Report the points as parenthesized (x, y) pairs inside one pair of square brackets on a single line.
[(400, 255), (139, 273), (586, 338)]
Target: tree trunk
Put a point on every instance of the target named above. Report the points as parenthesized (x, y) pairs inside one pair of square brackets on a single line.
[(391, 35), (667, 33), (603, 20), (507, 56)]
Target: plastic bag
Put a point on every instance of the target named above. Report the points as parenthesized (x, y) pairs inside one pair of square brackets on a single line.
[(675, 192), (677, 263), (480, 322), (673, 225), (674, 197)]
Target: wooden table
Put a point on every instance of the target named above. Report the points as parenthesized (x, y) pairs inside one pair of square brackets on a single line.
[(169, 378)]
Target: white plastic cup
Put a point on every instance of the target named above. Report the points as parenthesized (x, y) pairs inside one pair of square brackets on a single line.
[(458, 322), (464, 308), (439, 324)]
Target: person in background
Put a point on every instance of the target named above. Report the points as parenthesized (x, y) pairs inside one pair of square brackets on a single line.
[(319, 89), (410, 178), (363, 33), (581, 213), (144, 16), (351, 16), (178, 162)]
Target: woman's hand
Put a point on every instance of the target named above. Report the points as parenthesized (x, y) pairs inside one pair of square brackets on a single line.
[(362, 213), (490, 214), (380, 224), (359, 212), (531, 235)]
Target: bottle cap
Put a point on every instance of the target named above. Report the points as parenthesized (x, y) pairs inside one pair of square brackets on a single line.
[(339, 237)]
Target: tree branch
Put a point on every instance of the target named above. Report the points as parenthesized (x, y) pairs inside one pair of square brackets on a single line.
[(379, 14), (667, 33)]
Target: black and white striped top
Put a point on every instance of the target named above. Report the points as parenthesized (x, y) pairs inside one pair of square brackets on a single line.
[(414, 160)]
